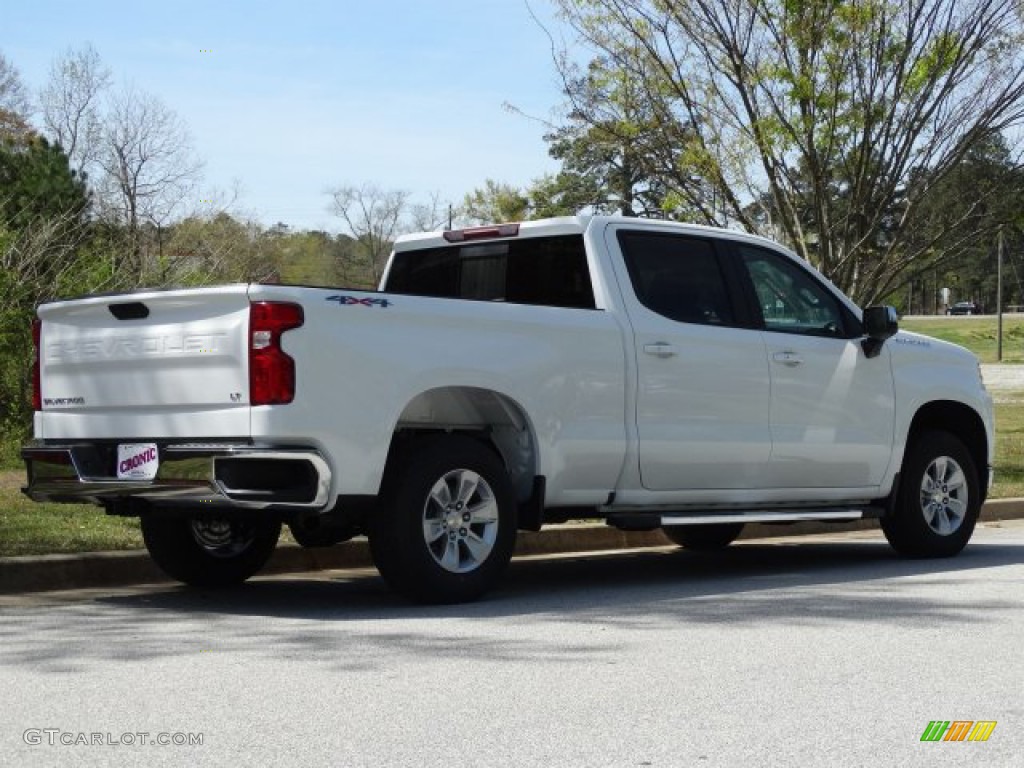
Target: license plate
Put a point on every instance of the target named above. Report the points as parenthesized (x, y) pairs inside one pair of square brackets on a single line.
[(137, 461)]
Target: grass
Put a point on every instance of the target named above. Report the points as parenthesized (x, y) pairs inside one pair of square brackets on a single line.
[(31, 528), (978, 334), (1009, 465), (28, 528)]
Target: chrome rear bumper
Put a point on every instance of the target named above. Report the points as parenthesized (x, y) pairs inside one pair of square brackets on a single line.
[(219, 475)]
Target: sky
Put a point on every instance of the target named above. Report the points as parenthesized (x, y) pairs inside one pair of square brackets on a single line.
[(292, 97)]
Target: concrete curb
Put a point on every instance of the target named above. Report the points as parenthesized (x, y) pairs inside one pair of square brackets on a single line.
[(108, 569)]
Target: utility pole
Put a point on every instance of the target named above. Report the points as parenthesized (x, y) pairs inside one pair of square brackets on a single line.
[(999, 298)]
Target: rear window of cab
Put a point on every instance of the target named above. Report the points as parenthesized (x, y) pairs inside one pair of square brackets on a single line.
[(548, 271)]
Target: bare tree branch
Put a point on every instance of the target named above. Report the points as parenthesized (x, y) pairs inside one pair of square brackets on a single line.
[(14, 103), (374, 217), (70, 104), (149, 169)]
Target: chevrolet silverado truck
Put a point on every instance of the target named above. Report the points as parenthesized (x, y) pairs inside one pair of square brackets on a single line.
[(651, 374)]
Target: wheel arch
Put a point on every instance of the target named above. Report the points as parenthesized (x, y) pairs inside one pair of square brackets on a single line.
[(488, 415), (963, 422)]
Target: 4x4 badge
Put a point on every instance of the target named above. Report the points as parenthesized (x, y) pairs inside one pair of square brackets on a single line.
[(354, 301)]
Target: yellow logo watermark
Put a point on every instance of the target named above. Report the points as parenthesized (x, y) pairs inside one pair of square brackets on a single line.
[(958, 730)]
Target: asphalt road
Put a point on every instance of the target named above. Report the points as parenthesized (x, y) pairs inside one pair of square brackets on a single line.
[(823, 651)]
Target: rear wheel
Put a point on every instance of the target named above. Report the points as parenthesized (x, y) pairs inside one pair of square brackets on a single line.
[(703, 537), (938, 500), (206, 550), (446, 527)]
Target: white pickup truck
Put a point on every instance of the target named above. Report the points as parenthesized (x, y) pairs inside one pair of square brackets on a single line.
[(648, 373)]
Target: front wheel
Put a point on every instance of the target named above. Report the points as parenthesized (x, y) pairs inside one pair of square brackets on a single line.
[(938, 500), (703, 537), (206, 550), (446, 527)]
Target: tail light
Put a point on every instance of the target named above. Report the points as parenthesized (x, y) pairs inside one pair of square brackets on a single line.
[(37, 384), (271, 371)]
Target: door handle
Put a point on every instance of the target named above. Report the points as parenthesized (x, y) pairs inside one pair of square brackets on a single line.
[(660, 349), (790, 358)]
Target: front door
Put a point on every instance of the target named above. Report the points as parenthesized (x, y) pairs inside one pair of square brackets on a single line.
[(832, 408)]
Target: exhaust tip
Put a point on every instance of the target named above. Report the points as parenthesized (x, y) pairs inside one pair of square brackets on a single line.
[(268, 480)]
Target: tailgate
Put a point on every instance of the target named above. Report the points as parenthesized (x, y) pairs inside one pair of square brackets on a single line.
[(146, 365)]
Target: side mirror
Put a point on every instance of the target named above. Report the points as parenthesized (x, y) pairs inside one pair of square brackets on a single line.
[(880, 323)]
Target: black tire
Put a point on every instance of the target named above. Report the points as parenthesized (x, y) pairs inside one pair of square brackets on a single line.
[(938, 501), (205, 550), (703, 537), (468, 556), (324, 536)]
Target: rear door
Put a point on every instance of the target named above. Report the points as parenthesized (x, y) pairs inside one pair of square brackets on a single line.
[(703, 394), (147, 365)]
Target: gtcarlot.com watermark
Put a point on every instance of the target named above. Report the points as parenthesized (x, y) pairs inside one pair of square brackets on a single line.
[(57, 737)]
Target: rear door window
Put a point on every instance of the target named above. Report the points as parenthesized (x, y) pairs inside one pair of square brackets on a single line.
[(678, 277)]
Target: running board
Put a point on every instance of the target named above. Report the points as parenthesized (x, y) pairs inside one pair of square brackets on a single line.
[(647, 521)]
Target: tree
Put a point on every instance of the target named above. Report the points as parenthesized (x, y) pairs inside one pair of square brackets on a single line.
[(148, 168), (826, 109), (494, 203), (374, 217), (36, 182), (431, 215), (971, 224), (43, 224), (202, 250), (70, 104), (608, 149), (44, 218), (309, 258), (14, 106)]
